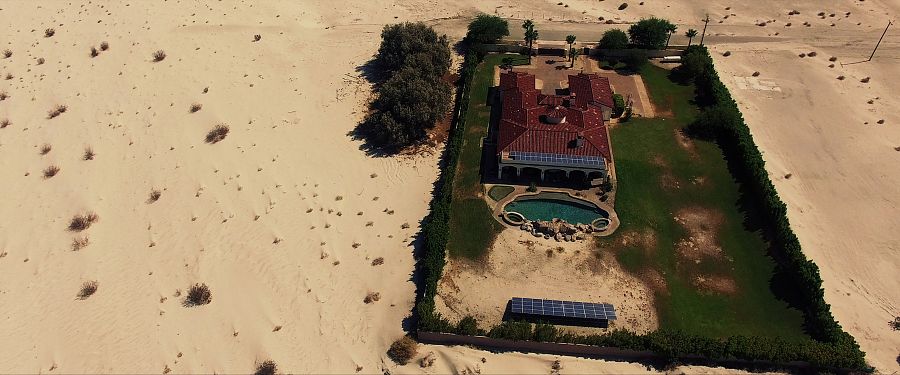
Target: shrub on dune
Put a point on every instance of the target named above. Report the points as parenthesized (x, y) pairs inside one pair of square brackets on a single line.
[(87, 289), (403, 350), (217, 134), (198, 294), (49, 32), (267, 367), (159, 56), (51, 171), (83, 221)]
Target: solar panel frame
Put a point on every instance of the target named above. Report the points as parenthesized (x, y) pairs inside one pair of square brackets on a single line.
[(562, 309)]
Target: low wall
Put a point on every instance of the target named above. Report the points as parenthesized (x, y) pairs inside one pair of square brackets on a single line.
[(504, 48), (537, 347), (651, 53), (611, 354)]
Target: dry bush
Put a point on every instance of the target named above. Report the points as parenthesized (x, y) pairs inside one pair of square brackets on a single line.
[(4, 123), (378, 261), (812, 54), (94, 52), (865, 80), (87, 289), (623, 6), (83, 221), (154, 195), (756, 74), (197, 295), (79, 243), (7, 53), (403, 350), (40, 61), (832, 59), (217, 134), (196, 107), (841, 78), (56, 111), (3, 95), (8, 76), (267, 367), (727, 53), (51, 171), (257, 37), (802, 55), (104, 45), (45, 148), (88, 154), (49, 32), (159, 56), (372, 297)]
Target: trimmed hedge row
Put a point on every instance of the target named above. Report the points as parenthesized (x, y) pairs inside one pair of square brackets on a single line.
[(835, 349)]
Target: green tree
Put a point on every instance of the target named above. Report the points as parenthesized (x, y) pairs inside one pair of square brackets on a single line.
[(530, 33), (487, 29), (635, 59), (573, 54), (671, 29), (570, 39), (614, 39), (650, 33), (402, 41), (691, 33), (408, 104)]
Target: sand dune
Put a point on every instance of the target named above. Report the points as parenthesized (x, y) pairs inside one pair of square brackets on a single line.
[(275, 218)]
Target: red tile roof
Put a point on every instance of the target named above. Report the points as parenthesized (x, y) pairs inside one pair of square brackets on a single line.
[(522, 128)]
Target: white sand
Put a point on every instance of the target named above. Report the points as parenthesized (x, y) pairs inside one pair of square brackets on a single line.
[(288, 151)]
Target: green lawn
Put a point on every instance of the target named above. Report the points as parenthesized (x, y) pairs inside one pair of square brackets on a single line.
[(658, 177), (472, 229)]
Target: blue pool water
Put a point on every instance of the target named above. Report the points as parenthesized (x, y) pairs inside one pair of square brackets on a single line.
[(547, 206)]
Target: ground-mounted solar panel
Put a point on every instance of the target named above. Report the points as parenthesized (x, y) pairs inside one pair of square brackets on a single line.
[(562, 312)]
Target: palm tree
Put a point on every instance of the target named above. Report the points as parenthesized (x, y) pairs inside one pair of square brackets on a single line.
[(571, 40), (691, 33), (573, 53), (671, 29), (530, 33)]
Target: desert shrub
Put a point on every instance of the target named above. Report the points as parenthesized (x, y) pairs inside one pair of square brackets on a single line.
[(5, 123), (372, 297), (159, 56), (267, 367), (403, 350), (51, 171), (88, 288), (487, 29), (378, 261), (8, 76), (198, 294), (614, 39), (195, 107), (94, 52), (56, 111), (88, 154), (7, 53), (40, 61), (79, 243), (83, 221), (895, 324), (49, 32), (104, 45), (650, 33), (217, 134), (45, 148), (623, 6), (257, 38), (3, 95), (154, 196), (618, 105)]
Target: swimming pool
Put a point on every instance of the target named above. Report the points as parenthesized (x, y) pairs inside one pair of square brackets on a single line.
[(548, 206)]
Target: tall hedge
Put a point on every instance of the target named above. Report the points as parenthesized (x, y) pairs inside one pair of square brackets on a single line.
[(831, 349)]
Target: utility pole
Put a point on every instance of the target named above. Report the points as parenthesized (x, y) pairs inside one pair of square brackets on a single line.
[(705, 22), (879, 41)]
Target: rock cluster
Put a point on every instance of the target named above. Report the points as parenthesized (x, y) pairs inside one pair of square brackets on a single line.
[(558, 229)]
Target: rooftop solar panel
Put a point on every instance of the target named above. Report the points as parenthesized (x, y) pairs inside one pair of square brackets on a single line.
[(563, 309), (559, 159)]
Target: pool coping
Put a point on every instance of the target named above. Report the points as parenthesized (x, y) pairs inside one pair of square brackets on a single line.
[(522, 191)]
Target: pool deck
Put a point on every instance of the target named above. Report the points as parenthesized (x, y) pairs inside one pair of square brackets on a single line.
[(585, 195)]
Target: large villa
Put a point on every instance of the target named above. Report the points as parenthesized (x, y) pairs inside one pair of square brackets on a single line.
[(563, 132)]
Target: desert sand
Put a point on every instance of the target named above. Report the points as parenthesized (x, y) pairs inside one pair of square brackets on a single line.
[(284, 218)]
